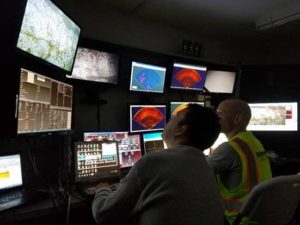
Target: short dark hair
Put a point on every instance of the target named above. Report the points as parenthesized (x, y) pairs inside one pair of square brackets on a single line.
[(203, 126)]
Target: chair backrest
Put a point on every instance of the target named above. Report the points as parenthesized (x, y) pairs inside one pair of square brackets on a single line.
[(274, 201)]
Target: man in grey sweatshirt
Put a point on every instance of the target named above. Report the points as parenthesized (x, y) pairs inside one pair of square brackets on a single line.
[(171, 187)]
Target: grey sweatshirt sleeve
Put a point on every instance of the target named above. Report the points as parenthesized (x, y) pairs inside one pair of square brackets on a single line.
[(222, 159), (116, 207), (226, 163)]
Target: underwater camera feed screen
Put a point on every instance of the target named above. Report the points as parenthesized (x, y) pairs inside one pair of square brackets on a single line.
[(147, 117), (49, 34), (147, 78), (98, 66), (189, 77), (274, 116)]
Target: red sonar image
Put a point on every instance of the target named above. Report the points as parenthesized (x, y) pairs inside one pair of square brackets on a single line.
[(188, 77), (148, 117)]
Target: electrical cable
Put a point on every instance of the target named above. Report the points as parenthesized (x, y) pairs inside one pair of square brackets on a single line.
[(68, 208), (98, 111)]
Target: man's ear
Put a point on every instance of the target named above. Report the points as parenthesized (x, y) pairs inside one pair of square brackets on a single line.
[(181, 130), (238, 118)]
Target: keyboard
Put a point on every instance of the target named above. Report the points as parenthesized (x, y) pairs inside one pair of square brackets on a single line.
[(11, 199), (20, 197), (92, 190)]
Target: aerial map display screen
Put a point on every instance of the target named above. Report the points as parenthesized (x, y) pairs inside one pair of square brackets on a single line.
[(48, 34), (274, 116)]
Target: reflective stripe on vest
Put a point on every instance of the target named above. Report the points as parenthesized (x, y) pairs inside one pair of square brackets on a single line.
[(233, 205), (251, 169)]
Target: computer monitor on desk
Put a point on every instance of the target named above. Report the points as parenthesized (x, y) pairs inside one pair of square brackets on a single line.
[(153, 142), (129, 146), (12, 191), (96, 160), (10, 172)]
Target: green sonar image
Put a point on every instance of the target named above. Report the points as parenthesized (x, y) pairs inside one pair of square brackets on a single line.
[(49, 34)]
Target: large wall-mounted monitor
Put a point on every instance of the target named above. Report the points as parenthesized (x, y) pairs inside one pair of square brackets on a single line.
[(153, 142), (48, 34), (220, 81), (147, 78), (96, 160), (188, 77), (274, 116), (44, 104), (129, 146), (147, 117), (175, 106), (97, 66)]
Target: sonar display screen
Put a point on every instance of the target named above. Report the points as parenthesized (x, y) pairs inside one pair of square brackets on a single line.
[(147, 117), (147, 78), (188, 77)]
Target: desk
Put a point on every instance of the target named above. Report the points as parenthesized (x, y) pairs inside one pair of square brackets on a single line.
[(50, 211)]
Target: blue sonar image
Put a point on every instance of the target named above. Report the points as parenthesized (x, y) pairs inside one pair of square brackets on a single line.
[(147, 78)]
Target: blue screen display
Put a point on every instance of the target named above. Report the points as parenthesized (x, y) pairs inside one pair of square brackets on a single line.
[(147, 78), (152, 136)]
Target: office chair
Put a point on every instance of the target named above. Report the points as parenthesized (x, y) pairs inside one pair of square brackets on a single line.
[(272, 202)]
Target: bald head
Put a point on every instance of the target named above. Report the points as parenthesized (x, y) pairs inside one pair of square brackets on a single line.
[(239, 107), (234, 115)]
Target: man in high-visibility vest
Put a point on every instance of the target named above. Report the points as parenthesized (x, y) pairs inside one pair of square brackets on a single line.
[(241, 163)]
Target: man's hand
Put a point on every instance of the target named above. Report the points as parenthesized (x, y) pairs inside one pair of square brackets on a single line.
[(102, 185)]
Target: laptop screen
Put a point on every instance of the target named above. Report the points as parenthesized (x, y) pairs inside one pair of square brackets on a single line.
[(10, 171)]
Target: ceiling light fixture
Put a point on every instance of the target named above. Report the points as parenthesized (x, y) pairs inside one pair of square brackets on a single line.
[(279, 17)]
